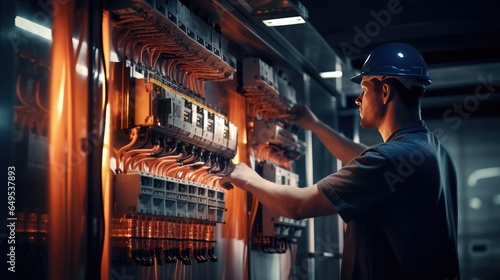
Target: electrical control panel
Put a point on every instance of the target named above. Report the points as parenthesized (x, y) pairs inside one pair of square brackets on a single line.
[(169, 181), (167, 200), (160, 98)]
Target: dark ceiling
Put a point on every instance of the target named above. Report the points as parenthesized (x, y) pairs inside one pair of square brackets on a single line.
[(446, 32), (460, 41)]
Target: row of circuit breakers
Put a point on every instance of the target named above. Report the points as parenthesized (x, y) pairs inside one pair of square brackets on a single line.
[(169, 109)]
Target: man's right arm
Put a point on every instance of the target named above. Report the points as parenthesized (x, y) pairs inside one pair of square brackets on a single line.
[(288, 201), (340, 146)]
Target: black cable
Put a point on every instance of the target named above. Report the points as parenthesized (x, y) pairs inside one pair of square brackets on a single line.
[(198, 156), (186, 156), (162, 154), (205, 160), (226, 169), (148, 136), (215, 163), (95, 202), (158, 154)]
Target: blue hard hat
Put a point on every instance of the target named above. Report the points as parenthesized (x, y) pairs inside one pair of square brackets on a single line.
[(395, 59)]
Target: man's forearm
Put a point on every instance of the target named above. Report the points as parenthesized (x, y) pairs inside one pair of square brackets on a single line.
[(340, 146), (289, 201), (279, 198)]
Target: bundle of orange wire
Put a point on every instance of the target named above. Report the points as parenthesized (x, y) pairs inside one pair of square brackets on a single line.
[(272, 154)]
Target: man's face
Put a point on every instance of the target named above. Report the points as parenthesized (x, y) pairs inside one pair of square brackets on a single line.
[(370, 104)]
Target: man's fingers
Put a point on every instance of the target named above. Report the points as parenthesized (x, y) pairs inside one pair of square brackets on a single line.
[(226, 185), (231, 168), (225, 182)]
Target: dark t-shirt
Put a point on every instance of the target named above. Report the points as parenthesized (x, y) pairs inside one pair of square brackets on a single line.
[(398, 199)]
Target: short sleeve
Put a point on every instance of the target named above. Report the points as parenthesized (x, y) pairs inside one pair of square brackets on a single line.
[(359, 186)]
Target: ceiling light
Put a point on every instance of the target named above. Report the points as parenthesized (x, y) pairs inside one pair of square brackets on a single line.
[(331, 74), (280, 13), (34, 28), (284, 21)]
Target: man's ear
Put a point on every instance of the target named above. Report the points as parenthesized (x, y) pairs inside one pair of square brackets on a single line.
[(386, 93)]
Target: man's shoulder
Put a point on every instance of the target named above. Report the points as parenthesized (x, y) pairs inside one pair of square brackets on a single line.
[(405, 146)]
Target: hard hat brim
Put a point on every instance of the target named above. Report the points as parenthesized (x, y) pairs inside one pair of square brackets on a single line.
[(357, 79)]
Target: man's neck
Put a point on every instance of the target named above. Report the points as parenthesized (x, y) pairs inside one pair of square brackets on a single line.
[(395, 121)]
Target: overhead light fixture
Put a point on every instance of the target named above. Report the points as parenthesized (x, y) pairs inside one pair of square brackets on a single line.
[(34, 28), (331, 74), (284, 21), (281, 13)]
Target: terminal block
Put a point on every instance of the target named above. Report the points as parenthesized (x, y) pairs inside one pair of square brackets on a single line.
[(145, 193)]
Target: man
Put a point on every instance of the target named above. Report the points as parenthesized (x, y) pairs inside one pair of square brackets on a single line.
[(398, 198)]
